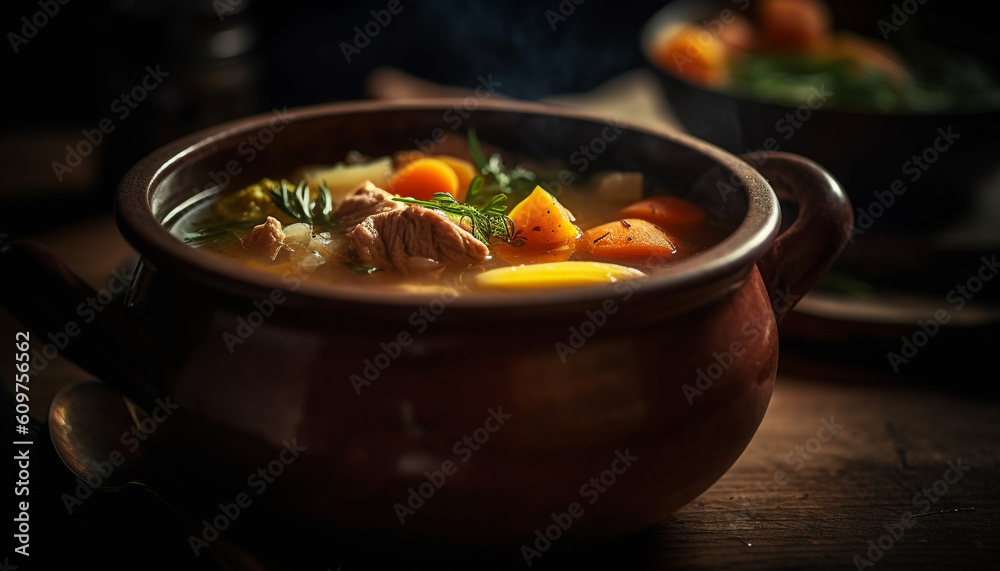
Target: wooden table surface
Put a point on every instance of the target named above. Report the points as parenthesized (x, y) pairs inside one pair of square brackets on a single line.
[(842, 459), (792, 501)]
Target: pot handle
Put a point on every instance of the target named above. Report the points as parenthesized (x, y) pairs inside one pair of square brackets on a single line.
[(803, 253), (61, 310)]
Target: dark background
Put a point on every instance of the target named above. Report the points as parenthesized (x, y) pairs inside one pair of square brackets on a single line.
[(266, 55), (277, 54)]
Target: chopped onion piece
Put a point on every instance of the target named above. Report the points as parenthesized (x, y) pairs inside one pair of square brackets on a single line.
[(312, 260), (297, 236)]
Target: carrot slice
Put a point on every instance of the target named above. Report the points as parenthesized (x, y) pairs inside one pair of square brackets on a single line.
[(630, 240), (674, 214), (543, 224), (463, 170), (422, 178)]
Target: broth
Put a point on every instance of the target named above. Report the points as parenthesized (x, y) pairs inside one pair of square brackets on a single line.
[(332, 252)]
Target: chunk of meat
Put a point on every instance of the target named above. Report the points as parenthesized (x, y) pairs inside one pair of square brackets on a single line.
[(265, 239), (364, 202), (414, 240)]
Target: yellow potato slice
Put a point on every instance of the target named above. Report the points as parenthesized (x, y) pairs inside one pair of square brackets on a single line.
[(555, 275), (341, 178)]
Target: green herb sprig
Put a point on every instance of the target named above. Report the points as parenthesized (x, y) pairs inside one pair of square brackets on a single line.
[(489, 221), (298, 202), (516, 183), (212, 233)]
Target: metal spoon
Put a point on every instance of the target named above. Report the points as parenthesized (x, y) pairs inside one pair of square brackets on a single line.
[(87, 421)]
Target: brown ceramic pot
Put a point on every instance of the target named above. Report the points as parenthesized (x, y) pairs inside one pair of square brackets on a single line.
[(674, 374)]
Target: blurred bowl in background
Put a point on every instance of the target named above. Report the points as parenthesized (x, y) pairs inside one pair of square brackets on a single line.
[(939, 158), (924, 183)]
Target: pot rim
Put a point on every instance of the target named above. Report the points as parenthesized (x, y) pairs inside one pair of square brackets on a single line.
[(723, 263)]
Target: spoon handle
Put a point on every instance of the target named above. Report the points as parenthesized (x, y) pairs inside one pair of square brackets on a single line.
[(42, 292), (226, 552)]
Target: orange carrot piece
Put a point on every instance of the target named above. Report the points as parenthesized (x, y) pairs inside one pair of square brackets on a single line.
[(542, 223), (629, 240), (795, 25), (402, 158), (514, 255), (674, 214), (739, 35), (463, 170), (422, 178), (693, 53)]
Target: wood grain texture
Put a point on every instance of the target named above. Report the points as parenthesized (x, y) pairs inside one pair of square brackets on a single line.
[(893, 444)]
